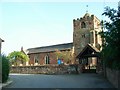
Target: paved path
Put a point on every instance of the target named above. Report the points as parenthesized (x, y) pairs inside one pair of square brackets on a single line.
[(58, 81)]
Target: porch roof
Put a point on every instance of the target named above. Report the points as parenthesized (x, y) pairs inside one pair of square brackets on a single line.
[(88, 51)]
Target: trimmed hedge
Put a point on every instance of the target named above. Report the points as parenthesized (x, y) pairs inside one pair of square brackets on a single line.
[(5, 68)]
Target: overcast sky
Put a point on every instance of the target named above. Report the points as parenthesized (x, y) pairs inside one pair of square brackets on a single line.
[(36, 24)]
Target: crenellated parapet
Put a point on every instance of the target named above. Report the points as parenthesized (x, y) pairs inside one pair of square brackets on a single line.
[(87, 21)]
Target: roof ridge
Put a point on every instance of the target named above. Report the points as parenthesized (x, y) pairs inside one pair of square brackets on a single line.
[(93, 47), (51, 45)]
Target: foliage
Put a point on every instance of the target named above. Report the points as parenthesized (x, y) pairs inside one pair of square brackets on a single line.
[(111, 38), (17, 56), (64, 55), (5, 68)]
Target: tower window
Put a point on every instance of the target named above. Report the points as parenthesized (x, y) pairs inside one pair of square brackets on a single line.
[(83, 25), (83, 35)]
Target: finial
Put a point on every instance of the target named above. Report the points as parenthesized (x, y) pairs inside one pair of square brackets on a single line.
[(22, 48), (87, 8)]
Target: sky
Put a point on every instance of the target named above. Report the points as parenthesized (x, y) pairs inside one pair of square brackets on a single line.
[(35, 23)]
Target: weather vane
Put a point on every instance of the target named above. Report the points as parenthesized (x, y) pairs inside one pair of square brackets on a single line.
[(87, 8)]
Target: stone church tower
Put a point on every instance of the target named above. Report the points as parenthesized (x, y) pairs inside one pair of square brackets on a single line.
[(85, 30)]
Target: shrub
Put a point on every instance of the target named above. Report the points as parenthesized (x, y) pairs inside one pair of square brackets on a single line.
[(5, 68)]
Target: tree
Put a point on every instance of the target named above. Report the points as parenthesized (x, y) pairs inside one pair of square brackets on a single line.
[(111, 36), (5, 68), (17, 57), (64, 55)]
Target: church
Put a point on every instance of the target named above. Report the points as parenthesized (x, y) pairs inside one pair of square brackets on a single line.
[(84, 48)]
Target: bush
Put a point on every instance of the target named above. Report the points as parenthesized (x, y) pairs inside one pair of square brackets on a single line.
[(5, 68)]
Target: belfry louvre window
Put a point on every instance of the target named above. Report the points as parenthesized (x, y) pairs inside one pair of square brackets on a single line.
[(83, 35), (83, 25)]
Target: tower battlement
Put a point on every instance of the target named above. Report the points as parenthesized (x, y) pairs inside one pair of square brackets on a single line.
[(86, 16), (90, 21)]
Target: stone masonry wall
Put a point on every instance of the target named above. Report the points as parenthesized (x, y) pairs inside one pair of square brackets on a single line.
[(114, 77), (44, 69)]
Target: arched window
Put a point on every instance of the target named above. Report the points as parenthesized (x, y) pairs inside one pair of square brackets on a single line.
[(47, 59), (83, 25), (36, 59)]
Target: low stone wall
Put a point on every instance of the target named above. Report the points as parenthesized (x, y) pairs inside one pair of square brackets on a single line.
[(114, 77), (45, 69)]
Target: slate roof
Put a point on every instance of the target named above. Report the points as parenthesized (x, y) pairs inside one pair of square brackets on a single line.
[(51, 48)]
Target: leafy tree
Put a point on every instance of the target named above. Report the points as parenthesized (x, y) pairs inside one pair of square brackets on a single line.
[(5, 68), (64, 55), (17, 57), (111, 38)]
